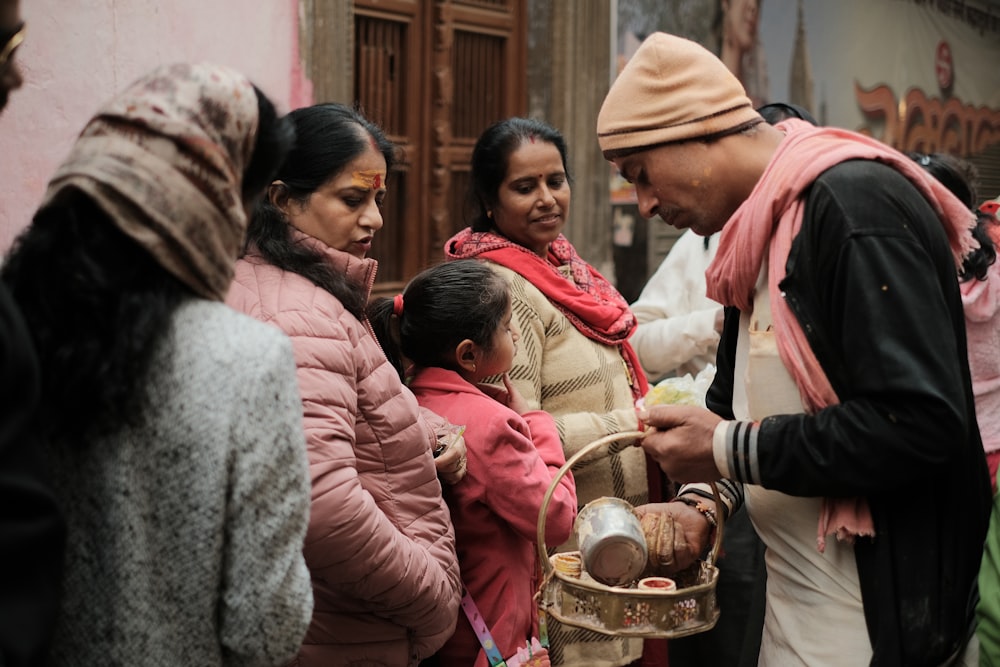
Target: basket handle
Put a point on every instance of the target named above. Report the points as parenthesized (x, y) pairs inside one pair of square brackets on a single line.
[(543, 555)]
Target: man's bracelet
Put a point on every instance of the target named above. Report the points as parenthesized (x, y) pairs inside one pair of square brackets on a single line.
[(700, 505)]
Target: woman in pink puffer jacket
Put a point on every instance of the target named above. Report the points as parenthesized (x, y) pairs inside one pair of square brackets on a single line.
[(380, 544)]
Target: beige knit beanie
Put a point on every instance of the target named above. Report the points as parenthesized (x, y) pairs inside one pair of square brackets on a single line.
[(672, 89)]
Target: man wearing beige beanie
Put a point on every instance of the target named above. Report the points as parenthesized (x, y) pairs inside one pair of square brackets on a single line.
[(842, 404)]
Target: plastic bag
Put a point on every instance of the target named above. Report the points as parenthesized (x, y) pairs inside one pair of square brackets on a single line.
[(684, 390)]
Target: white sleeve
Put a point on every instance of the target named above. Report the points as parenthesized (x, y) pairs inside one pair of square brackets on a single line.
[(676, 318)]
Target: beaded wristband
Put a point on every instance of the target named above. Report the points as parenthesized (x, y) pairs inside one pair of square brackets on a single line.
[(706, 511)]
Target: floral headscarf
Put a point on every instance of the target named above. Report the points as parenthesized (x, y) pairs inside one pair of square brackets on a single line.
[(165, 161)]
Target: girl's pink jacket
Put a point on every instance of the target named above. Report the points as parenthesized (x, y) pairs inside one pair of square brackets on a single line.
[(981, 302), (512, 459), (380, 544)]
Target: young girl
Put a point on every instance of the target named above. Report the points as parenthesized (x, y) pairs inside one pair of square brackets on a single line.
[(453, 323)]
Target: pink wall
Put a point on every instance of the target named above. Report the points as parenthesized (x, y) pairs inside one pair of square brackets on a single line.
[(79, 54)]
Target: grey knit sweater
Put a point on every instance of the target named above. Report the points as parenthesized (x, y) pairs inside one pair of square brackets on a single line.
[(185, 532)]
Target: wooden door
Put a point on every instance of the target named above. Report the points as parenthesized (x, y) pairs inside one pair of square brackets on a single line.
[(434, 74)]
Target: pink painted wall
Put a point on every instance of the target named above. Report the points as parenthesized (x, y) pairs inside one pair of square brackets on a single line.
[(79, 54)]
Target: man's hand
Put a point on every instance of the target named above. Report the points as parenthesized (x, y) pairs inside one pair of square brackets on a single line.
[(676, 535), (681, 441)]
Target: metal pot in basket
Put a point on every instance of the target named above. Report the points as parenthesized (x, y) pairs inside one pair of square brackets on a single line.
[(576, 599)]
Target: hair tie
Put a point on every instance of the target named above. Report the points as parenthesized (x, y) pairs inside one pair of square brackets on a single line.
[(397, 305)]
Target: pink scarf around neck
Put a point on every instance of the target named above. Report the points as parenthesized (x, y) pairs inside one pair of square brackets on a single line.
[(769, 220)]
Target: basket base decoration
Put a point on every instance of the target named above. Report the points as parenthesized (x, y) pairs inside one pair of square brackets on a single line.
[(581, 601)]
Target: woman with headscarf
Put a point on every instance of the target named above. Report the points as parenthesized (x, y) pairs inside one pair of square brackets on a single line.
[(180, 467)]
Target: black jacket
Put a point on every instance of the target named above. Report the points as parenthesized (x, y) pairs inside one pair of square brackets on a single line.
[(872, 281), (32, 532)]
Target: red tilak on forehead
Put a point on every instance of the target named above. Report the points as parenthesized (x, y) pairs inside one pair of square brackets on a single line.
[(368, 180)]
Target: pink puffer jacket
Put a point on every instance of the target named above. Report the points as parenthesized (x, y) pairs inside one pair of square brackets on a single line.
[(380, 544), (981, 301)]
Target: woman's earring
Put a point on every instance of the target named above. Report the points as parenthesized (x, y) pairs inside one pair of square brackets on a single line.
[(489, 214)]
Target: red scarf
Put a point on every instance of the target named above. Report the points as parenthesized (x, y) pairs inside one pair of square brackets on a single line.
[(769, 220), (590, 302)]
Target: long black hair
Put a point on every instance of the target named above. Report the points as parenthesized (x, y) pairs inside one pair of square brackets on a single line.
[(441, 307), (775, 112), (960, 177), (329, 137), (491, 157), (97, 304)]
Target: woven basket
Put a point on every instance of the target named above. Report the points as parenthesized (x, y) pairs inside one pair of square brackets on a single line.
[(628, 612)]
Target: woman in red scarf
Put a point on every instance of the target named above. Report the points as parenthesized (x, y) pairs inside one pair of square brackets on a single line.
[(574, 359)]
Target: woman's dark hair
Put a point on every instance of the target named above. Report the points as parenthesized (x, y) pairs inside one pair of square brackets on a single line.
[(977, 263), (961, 177), (442, 306), (97, 304), (491, 157), (775, 112), (275, 137), (328, 137), (956, 174)]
